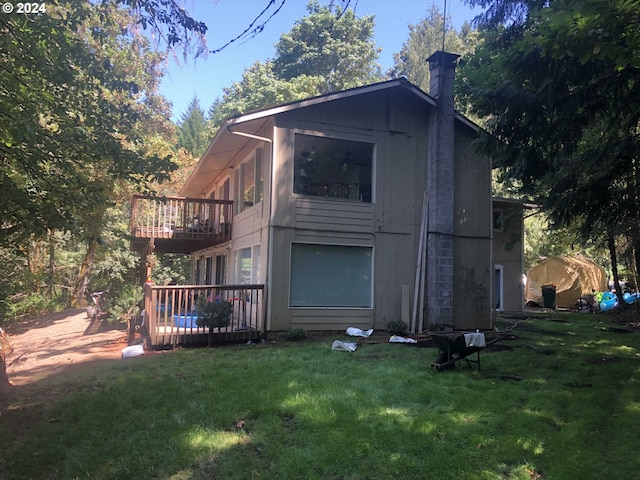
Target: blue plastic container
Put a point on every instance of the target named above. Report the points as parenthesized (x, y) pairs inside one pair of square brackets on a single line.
[(186, 321)]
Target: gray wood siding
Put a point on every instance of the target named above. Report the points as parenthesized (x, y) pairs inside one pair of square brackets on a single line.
[(391, 223), (331, 319), (333, 215), (395, 264), (473, 268), (355, 112), (472, 201), (473, 275), (400, 184), (512, 288), (248, 225)]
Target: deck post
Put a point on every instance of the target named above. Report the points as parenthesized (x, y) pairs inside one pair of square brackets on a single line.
[(149, 260), (150, 312)]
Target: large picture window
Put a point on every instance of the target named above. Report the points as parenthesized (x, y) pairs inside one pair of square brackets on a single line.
[(334, 168), (331, 276)]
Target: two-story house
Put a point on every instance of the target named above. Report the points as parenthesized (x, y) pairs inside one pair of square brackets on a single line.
[(354, 208)]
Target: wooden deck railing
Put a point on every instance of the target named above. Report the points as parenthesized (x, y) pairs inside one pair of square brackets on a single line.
[(181, 218), (171, 314)]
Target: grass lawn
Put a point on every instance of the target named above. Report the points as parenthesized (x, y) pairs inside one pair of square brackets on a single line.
[(558, 399)]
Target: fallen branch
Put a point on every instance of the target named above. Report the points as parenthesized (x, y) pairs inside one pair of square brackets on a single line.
[(507, 331)]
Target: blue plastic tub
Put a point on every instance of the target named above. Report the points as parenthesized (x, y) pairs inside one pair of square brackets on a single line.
[(186, 321)]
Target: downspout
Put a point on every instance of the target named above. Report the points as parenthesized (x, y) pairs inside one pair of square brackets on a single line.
[(267, 296)]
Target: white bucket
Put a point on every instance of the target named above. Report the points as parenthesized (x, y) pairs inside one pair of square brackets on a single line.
[(132, 351)]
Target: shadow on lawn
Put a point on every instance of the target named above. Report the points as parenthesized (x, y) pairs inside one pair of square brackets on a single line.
[(544, 423)]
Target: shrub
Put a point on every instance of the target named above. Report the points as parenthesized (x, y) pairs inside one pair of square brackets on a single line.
[(397, 327), (125, 305), (296, 334), (213, 315), (27, 304)]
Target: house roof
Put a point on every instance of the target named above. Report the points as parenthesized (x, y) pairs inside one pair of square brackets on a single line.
[(503, 201), (239, 134)]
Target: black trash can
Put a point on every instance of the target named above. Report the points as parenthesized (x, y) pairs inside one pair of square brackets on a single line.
[(549, 296)]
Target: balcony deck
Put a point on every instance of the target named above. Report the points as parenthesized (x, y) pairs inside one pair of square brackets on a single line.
[(179, 225)]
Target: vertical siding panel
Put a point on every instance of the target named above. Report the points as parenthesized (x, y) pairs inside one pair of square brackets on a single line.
[(473, 269)]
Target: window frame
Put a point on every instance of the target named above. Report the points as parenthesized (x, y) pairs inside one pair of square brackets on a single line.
[(255, 257), (220, 273), (498, 220), (208, 270), (371, 248), (339, 136), (240, 204)]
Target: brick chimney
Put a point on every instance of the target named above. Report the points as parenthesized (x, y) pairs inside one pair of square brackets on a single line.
[(440, 188)]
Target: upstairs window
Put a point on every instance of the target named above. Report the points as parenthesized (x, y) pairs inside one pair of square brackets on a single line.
[(333, 168), (498, 220), (248, 183)]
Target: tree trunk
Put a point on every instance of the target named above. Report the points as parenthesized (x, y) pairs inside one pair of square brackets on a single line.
[(93, 230), (5, 349), (614, 265), (5, 386), (52, 263), (636, 260), (131, 329), (79, 300)]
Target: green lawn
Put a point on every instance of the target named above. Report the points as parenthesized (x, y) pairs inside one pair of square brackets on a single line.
[(559, 399)]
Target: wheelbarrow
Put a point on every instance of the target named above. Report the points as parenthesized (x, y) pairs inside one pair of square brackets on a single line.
[(454, 347)]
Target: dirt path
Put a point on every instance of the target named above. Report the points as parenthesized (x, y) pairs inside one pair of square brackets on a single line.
[(50, 344)]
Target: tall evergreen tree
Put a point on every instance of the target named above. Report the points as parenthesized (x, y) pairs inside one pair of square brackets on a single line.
[(425, 38), (192, 129), (557, 85)]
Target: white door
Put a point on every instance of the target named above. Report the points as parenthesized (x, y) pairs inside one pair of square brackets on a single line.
[(498, 282)]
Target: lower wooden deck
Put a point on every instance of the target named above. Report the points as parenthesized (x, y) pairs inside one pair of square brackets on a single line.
[(171, 318), (177, 337)]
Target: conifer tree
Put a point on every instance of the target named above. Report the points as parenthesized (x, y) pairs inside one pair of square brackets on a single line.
[(425, 38), (191, 129), (557, 86)]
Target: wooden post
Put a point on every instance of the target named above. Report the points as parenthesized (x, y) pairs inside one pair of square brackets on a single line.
[(150, 313), (149, 259), (423, 270), (419, 280), (405, 308)]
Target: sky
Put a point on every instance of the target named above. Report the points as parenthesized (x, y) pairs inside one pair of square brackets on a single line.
[(226, 19)]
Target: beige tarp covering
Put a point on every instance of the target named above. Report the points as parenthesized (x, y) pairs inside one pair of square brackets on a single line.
[(572, 276)]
